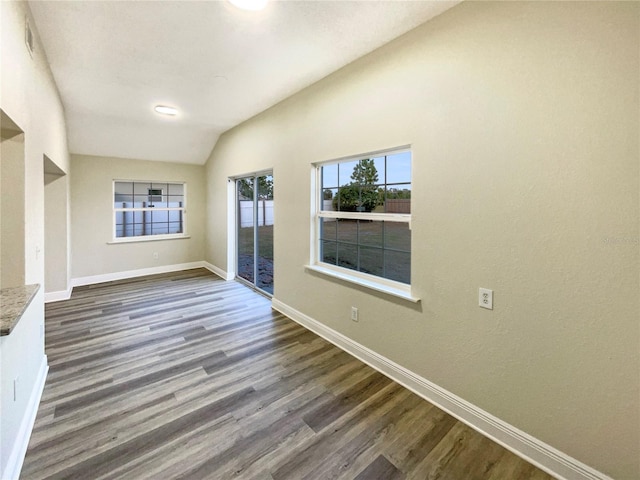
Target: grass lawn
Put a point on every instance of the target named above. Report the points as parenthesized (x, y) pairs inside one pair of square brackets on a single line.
[(265, 256), (374, 247)]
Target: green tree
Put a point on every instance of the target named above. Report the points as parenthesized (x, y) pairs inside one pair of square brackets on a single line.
[(265, 188), (361, 195), (365, 173)]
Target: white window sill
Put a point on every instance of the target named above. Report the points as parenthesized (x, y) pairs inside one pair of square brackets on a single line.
[(147, 238), (400, 291)]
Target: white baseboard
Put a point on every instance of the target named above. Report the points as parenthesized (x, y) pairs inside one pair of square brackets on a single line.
[(218, 271), (544, 456), (58, 296), (19, 450), (110, 277)]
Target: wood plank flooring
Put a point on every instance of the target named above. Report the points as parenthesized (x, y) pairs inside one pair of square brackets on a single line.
[(186, 376)]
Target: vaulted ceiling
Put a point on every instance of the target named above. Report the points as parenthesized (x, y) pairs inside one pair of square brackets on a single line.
[(114, 61)]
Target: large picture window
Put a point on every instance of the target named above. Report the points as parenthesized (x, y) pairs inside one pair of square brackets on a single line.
[(364, 216), (143, 209)]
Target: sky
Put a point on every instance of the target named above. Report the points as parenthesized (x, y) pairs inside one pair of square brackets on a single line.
[(398, 170)]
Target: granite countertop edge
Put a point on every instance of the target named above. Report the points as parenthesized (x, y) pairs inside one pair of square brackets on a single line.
[(13, 303)]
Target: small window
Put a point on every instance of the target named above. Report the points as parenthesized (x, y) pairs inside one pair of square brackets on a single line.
[(363, 217), (143, 209)]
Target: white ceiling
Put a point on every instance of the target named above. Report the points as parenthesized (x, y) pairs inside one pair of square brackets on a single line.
[(114, 61)]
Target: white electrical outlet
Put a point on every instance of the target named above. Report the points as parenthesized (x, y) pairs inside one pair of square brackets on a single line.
[(485, 298), (354, 314)]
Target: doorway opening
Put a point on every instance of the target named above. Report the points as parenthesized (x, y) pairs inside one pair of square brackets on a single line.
[(254, 231)]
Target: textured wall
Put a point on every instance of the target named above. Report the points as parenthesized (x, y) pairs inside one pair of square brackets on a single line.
[(30, 98), (523, 121), (92, 216)]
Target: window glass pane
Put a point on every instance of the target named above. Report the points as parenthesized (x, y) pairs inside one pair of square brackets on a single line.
[(370, 198), (175, 189), (151, 196), (380, 185), (361, 192), (347, 199), (245, 228), (397, 266), (398, 199), (399, 168), (159, 201), (347, 230), (159, 228), (135, 217), (328, 252), (175, 227), (370, 233), (328, 229), (175, 201), (124, 230), (365, 172), (141, 188), (329, 199), (123, 192), (159, 216), (123, 218), (141, 201), (265, 187), (379, 165), (371, 261), (348, 256), (245, 189), (159, 188), (397, 236), (345, 170), (330, 176)]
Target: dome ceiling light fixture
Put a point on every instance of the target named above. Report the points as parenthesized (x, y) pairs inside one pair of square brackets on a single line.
[(165, 110), (253, 5)]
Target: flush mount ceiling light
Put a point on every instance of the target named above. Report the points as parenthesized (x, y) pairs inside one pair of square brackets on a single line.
[(249, 4), (164, 110)]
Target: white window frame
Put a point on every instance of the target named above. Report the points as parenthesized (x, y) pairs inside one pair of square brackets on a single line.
[(148, 238), (374, 282)]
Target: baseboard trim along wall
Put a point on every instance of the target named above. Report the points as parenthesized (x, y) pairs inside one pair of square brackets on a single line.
[(110, 277), (58, 296), (218, 271), (19, 451), (538, 453)]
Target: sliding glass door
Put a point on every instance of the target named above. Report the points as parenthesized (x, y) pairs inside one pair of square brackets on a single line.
[(254, 231)]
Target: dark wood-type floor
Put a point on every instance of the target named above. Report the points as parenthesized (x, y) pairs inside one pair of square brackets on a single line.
[(185, 376)]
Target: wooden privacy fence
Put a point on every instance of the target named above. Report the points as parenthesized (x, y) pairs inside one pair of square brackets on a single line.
[(398, 205)]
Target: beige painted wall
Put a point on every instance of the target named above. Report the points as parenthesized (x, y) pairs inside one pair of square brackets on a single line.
[(56, 195), (28, 95), (523, 121), (92, 214), (12, 211)]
